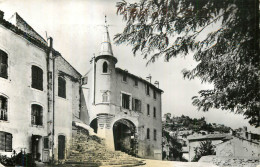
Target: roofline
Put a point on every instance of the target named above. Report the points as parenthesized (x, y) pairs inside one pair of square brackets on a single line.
[(141, 79), (31, 39)]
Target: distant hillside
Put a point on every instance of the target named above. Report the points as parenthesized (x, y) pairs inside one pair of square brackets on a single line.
[(193, 124)]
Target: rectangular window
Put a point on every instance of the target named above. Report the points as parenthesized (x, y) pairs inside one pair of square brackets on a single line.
[(3, 108), (45, 142), (125, 101), (147, 89), (124, 77), (3, 64), (61, 87), (154, 94), (154, 112), (136, 82), (37, 78), (148, 109), (148, 133), (6, 142), (36, 115), (154, 134), (136, 105)]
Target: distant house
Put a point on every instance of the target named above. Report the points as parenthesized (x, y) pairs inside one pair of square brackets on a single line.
[(194, 141), (238, 147)]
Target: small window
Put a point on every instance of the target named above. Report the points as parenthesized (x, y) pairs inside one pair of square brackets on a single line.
[(3, 108), (45, 142), (154, 112), (148, 133), (105, 67), (105, 97), (154, 134), (84, 80), (136, 105), (36, 114), (3, 64), (125, 101), (136, 82), (37, 78), (147, 89), (124, 77), (61, 87), (148, 109), (154, 94), (6, 141)]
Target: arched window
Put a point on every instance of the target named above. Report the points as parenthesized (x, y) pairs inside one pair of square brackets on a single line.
[(36, 115), (61, 87), (3, 108), (148, 133), (6, 141), (3, 64), (105, 97), (105, 67), (37, 78)]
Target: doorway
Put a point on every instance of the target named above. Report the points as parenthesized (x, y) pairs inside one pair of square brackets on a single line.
[(123, 131), (61, 147)]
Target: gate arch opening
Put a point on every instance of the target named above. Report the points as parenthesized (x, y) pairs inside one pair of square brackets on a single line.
[(124, 136), (94, 125)]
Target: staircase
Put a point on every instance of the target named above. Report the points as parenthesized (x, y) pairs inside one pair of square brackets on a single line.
[(91, 151)]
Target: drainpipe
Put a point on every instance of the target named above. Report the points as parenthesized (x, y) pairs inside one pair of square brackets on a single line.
[(94, 80)]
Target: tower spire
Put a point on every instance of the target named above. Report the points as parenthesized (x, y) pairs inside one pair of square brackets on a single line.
[(106, 47)]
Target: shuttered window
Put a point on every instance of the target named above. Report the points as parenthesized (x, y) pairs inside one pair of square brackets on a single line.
[(6, 141), (136, 105), (3, 64), (61, 87), (36, 117), (3, 108), (37, 78), (125, 101)]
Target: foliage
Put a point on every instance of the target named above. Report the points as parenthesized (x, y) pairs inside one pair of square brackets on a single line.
[(194, 124), (175, 148), (20, 159), (227, 56), (205, 148)]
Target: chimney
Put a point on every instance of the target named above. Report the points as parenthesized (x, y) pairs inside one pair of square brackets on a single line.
[(1, 15), (249, 136)]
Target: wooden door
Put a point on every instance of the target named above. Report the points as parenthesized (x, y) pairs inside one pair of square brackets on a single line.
[(61, 147)]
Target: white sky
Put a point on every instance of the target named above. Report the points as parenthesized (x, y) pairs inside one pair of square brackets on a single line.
[(76, 27)]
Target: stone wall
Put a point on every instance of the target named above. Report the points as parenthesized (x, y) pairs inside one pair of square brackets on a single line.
[(238, 147), (231, 161)]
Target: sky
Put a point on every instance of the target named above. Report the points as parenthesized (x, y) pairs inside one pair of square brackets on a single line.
[(76, 27)]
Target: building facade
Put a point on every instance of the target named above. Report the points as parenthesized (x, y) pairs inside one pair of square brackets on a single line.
[(42, 95), (39, 93), (123, 108)]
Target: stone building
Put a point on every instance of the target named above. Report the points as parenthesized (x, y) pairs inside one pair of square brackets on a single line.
[(123, 108), (39, 93), (42, 96)]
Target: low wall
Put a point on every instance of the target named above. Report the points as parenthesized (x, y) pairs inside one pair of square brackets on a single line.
[(231, 161)]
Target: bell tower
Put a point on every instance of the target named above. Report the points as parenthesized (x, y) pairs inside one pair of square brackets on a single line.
[(105, 76)]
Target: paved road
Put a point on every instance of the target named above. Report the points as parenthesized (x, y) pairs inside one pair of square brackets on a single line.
[(157, 163)]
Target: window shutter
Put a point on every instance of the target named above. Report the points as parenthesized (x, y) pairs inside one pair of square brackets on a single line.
[(133, 104), (2, 141), (8, 140)]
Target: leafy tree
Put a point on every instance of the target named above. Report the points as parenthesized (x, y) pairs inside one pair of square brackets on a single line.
[(227, 56), (205, 148)]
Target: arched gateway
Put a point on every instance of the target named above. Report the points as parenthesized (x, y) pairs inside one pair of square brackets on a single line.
[(124, 136)]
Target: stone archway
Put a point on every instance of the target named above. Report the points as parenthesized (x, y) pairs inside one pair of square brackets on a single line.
[(124, 136), (94, 125)]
